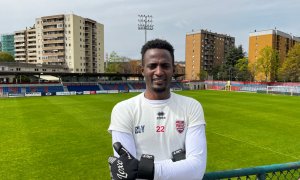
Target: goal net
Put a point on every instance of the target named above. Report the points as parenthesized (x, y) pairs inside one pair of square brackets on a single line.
[(287, 90)]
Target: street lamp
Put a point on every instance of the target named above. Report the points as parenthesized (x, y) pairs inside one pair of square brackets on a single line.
[(145, 23)]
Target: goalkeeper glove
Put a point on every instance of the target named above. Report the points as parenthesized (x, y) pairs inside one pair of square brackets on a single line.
[(127, 167)]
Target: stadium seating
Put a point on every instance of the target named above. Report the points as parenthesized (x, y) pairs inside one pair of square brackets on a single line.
[(80, 88), (138, 85), (15, 90), (44, 89)]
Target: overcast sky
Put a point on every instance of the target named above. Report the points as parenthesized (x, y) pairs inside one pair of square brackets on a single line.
[(171, 19)]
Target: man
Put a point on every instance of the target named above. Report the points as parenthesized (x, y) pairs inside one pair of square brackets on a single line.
[(158, 134)]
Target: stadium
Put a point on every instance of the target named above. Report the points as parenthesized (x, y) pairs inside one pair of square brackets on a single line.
[(63, 135), (62, 73)]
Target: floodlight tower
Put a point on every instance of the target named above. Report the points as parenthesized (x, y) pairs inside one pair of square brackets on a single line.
[(145, 23)]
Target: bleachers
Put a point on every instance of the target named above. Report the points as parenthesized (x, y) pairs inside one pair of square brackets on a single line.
[(53, 89), (15, 90), (44, 89), (116, 86), (80, 88), (110, 86), (138, 85), (123, 87)]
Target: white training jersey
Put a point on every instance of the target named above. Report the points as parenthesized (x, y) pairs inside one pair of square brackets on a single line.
[(158, 126)]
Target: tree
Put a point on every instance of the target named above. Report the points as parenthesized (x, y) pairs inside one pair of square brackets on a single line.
[(135, 66), (113, 67), (252, 70), (242, 71), (267, 63), (6, 57), (290, 70), (118, 64), (202, 75), (231, 59)]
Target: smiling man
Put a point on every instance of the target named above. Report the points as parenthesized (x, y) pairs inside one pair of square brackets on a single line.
[(158, 134)]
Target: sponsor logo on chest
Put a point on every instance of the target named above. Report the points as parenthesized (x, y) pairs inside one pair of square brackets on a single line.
[(160, 115), (139, 129)]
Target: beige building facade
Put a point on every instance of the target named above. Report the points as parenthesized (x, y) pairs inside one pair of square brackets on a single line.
[(204, 50), (74, 42), (277, 40), (20, 46)]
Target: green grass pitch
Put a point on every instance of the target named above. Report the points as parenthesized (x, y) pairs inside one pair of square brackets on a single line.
[(65, 137)]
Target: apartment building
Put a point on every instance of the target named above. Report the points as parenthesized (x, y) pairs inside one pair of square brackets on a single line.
[(278, 40), (72, 41), (204, 50), (67, 40), (7, 43), (30, 36), (20, 46), (25, 45)]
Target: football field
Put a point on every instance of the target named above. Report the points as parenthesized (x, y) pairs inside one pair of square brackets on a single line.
[(65, 137)]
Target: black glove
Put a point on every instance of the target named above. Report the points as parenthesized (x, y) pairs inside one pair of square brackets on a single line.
[(127, 167), (178, 155)]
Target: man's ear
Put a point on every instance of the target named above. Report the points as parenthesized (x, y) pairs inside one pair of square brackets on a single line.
[(142, 69)]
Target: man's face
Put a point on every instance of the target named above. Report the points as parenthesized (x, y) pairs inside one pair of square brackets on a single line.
[(158, 70)]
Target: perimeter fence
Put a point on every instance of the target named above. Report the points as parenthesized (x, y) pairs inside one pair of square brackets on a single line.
[(288, 171)]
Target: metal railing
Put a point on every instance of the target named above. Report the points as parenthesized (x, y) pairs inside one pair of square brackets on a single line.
[(288, 171)]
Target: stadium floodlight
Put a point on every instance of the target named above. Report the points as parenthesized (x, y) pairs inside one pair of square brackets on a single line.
[(145, 23)]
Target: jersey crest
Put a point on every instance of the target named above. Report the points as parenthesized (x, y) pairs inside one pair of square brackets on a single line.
[(180, 125)]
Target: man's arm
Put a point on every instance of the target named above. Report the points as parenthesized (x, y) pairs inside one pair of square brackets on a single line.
[(193, 167), (126, 140)]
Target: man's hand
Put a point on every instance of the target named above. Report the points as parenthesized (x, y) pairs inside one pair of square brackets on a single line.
[(124, 167), (127, 167)]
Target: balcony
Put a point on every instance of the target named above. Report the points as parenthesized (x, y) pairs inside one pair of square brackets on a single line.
[(52, 41), (19, 36), (20, 59), (53, 60), (19, 40), (54, 54), (53, 48), (52, 29), (53, 35), (32, 59), (45, 22), (20, 45), (32, 54), (20, 50)]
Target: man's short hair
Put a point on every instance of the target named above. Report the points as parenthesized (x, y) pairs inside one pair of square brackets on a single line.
[(157, 44)]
